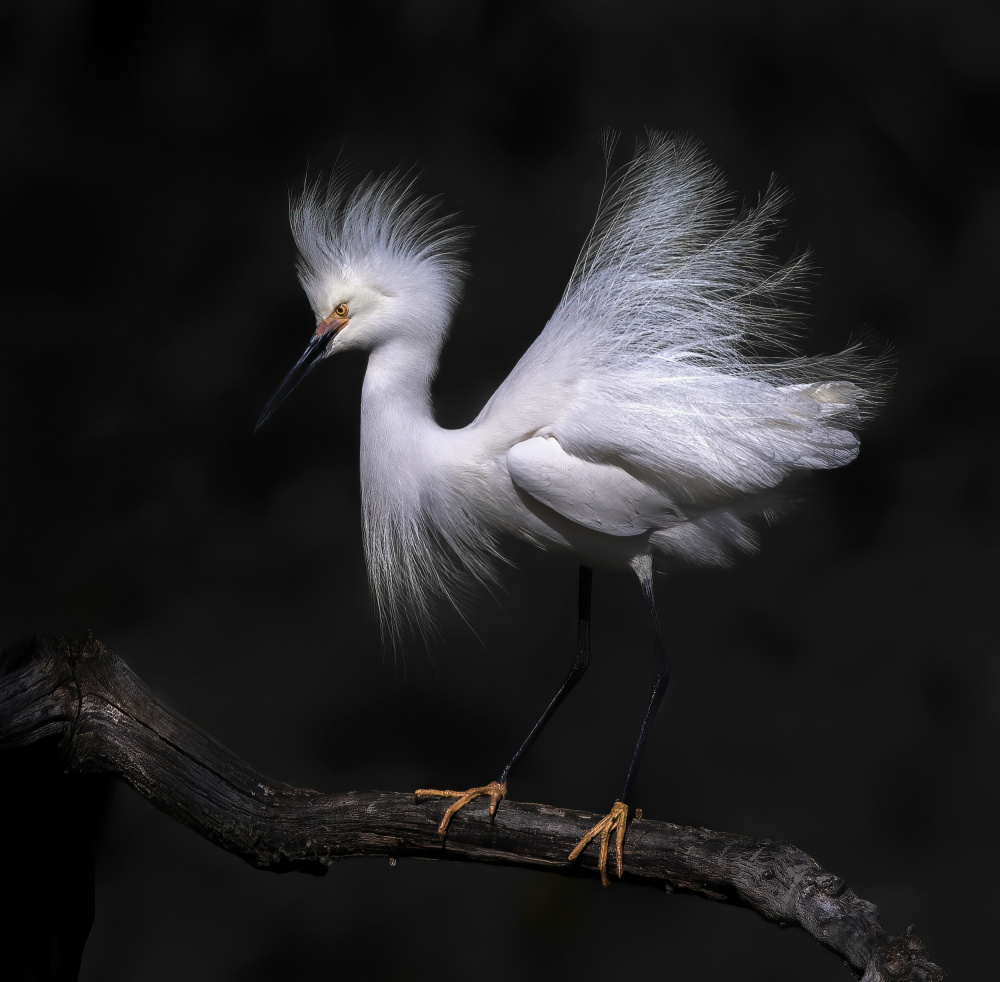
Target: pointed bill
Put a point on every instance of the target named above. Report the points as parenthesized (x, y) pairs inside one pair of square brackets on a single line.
[(326, 331)]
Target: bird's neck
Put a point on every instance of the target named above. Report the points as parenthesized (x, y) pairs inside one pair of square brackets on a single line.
[(422, 537), (397, 422), (397, 386)]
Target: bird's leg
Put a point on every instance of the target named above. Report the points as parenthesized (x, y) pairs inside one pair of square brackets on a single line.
[(615, 820), (659, 682), (576, 671), (497, 790)]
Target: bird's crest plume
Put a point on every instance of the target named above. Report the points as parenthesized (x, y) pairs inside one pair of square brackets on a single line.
[(376, 230)]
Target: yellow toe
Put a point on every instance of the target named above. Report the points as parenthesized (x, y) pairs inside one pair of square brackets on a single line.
[(495, 791), (614, 821)]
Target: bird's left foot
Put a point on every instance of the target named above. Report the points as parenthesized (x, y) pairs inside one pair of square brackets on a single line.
[(495, 791), (614, 822)]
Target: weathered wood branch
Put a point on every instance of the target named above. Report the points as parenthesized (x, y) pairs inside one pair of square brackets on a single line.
[(107, 722)]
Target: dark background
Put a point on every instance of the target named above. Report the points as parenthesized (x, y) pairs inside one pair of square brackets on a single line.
[(839, 690)]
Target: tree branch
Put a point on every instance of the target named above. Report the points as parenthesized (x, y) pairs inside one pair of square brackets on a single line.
[(108, 723)]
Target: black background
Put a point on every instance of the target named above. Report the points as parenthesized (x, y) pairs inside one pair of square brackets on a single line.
[(839, 690)]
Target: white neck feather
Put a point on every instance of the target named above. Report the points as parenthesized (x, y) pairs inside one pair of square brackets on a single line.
[(418, 544)]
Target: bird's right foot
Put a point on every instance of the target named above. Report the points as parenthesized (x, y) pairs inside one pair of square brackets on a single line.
[(495, 791), (614, 822)]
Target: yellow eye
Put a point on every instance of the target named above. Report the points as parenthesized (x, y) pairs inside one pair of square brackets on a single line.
[(341, 310)]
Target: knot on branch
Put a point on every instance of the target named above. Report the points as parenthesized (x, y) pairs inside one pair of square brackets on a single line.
[(827, 883), (904, 959)]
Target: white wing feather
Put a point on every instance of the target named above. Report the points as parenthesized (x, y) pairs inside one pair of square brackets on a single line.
[(651, 360), (598, 496)]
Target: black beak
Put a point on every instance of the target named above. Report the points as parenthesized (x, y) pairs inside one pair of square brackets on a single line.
[(310, 357)]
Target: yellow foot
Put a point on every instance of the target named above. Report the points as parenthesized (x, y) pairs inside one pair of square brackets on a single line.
[(614, 821), (495, 791)]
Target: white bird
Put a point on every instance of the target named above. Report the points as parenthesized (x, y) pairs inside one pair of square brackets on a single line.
[(647, 422)]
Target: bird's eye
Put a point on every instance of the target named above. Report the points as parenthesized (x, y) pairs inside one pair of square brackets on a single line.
[(341, 310)]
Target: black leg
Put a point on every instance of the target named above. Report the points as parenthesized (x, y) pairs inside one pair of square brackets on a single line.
[(496, 791), (575, 673), (659, 683)]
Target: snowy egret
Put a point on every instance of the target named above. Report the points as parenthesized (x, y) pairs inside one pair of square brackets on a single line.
[(658, 411)]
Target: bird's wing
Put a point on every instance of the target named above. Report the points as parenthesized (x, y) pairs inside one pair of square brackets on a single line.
[(648, 362), (598, 496), (701, 437)]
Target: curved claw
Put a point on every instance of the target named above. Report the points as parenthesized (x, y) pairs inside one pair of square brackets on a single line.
[(495, 791), (615, 822)]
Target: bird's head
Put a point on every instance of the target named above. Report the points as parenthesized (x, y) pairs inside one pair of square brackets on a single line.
[(379, 265)]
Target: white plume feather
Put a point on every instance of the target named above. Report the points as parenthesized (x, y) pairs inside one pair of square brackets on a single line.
[(662, 325), (379, 233)]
